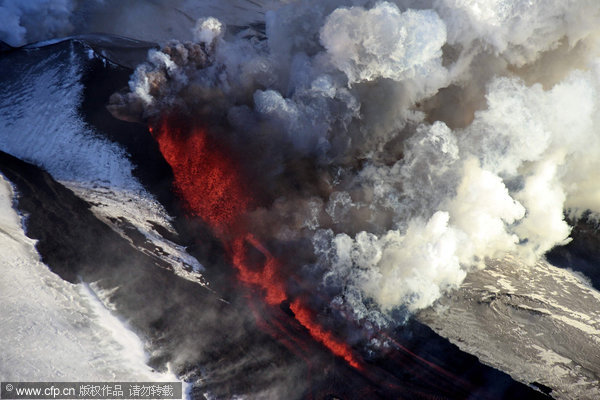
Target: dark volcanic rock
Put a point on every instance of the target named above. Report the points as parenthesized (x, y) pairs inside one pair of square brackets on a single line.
[(582, 254), (204, 337), (186, 324), (4, 47), (235, 347)]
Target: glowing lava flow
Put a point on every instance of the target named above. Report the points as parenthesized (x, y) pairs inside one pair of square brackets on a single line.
[(204, 177), (305, 318), (209, 182)]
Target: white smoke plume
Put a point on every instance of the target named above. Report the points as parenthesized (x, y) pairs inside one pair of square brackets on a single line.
[(436, 134), (519, 30), (28, 21), (384, 43)]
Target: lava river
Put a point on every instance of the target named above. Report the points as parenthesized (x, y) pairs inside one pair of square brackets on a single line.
[(209, 181)]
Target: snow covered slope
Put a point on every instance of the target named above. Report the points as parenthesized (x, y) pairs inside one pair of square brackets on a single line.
[(52, 329), (40, 122)]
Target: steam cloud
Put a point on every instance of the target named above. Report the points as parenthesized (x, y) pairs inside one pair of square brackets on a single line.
[(26, 21), (423, 137)]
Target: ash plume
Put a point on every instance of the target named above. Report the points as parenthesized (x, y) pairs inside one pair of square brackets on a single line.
[(398, 145)]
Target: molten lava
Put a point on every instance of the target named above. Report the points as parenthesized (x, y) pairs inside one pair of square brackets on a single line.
[(306, 319), (265, 278), (206, 179), (211, 184)]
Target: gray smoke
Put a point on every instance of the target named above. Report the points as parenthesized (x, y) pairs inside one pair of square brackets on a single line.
[(437, 134), (27, 21)]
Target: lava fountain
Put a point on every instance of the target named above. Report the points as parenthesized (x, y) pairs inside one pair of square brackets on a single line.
[(210, 182)]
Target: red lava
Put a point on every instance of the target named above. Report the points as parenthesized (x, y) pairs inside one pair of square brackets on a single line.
[(209, 182)]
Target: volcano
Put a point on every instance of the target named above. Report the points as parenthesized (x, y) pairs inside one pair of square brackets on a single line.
[(308, 218)]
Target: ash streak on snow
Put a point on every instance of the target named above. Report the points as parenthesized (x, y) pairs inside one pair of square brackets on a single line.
[(538, 323)]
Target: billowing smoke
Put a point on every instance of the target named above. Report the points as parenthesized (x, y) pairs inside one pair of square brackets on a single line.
[(404, 143), (384, 43), (27, 21)]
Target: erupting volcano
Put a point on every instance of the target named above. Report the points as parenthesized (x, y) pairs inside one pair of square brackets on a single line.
[(340, 199), (211, 184)]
